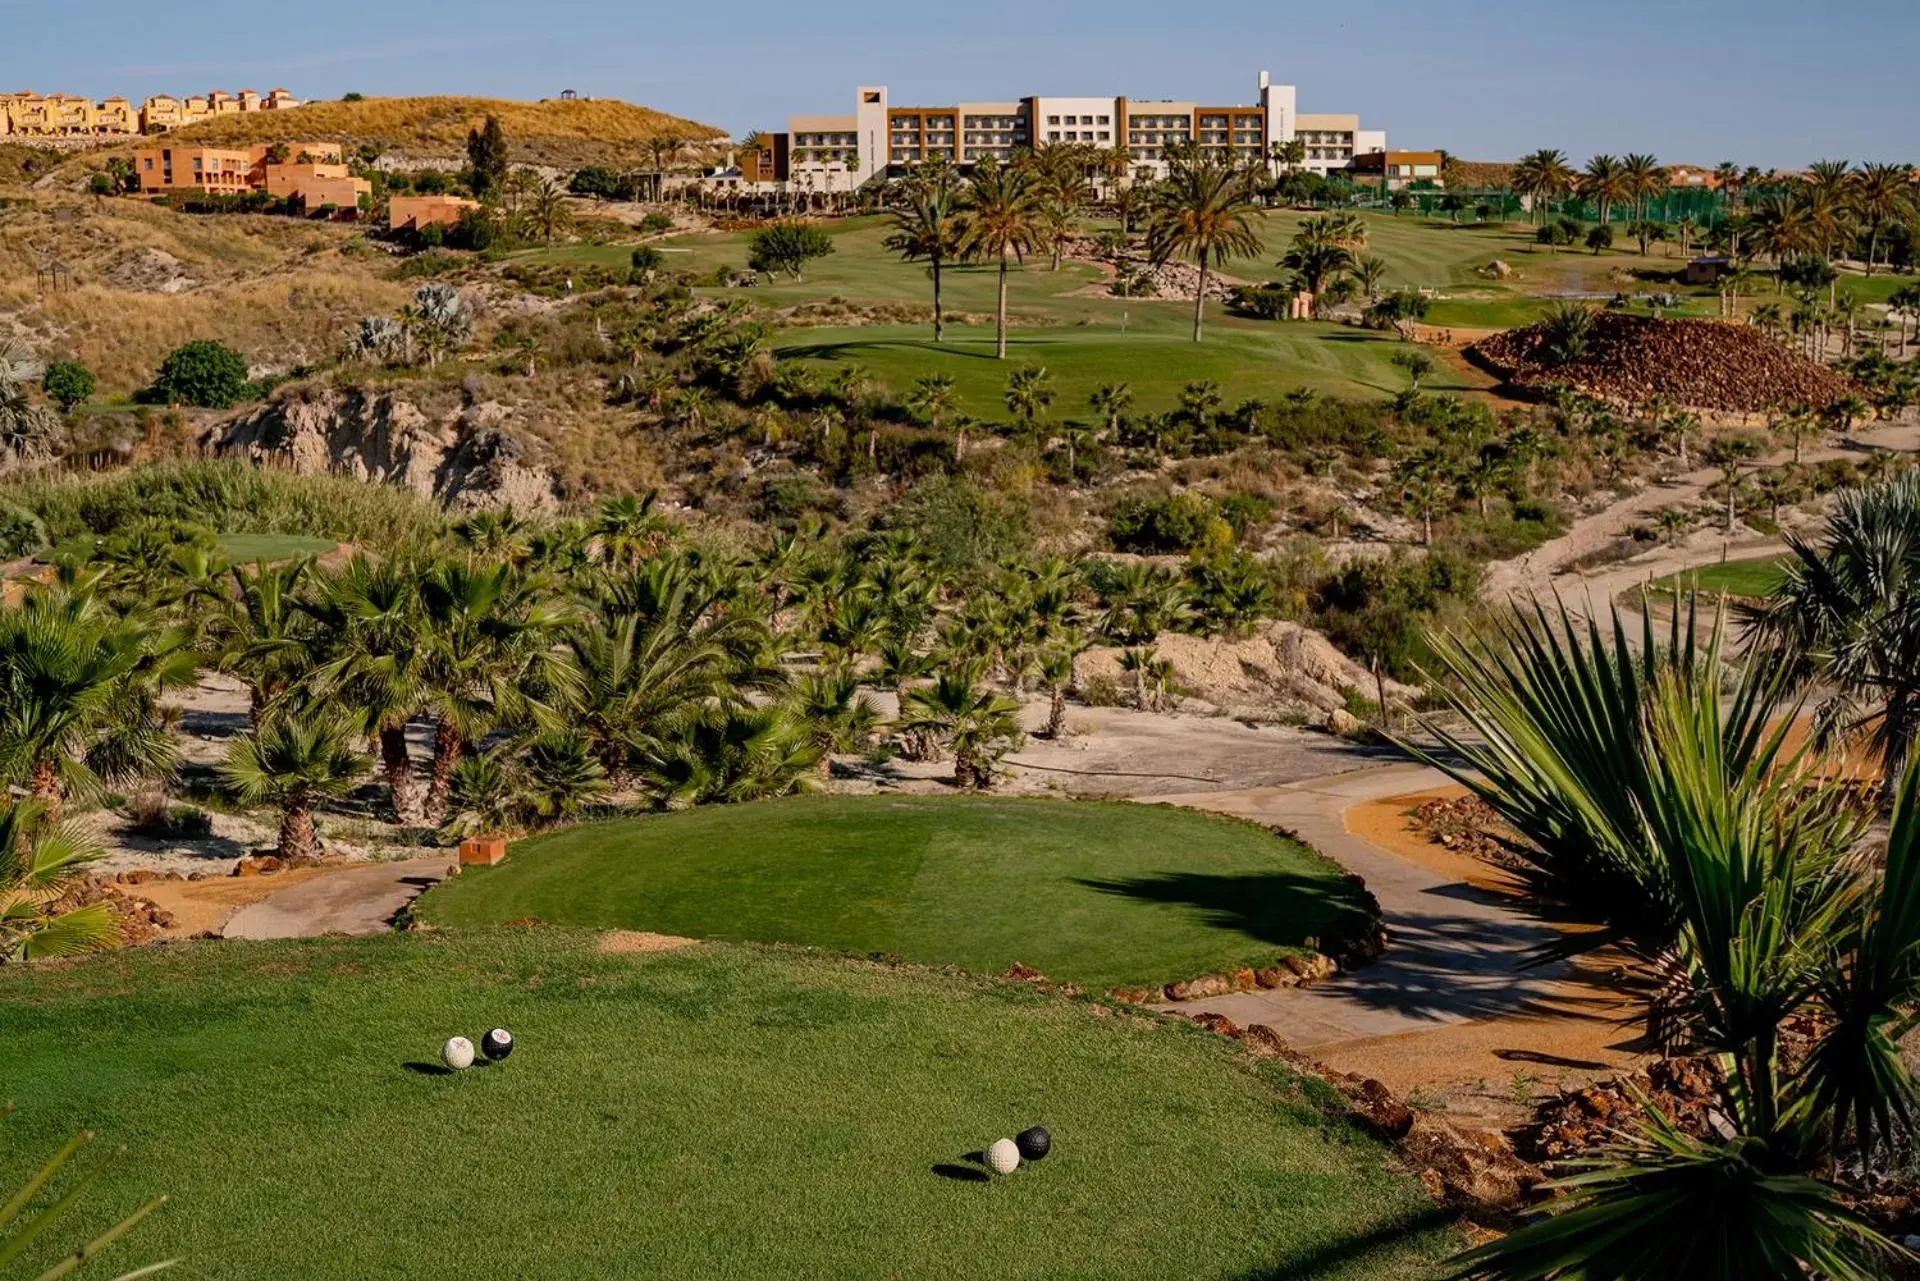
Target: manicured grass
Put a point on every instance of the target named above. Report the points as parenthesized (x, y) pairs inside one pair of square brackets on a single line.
[(242, 548), (1098, 894), (1759, 576), (723, 1112)]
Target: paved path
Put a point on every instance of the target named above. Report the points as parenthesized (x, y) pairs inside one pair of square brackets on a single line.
[(361, 900), (1455, 953)]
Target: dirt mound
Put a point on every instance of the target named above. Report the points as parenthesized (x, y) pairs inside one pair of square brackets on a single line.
[(150, 271), (1280, 668), (1704, 364)]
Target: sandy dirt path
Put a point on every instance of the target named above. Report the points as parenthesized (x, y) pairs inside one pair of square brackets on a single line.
[(356, 900)]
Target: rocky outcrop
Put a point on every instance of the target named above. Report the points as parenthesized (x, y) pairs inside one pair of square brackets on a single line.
[(468, 457)]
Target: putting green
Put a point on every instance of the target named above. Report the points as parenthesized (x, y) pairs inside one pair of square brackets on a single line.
[(1094, 893)]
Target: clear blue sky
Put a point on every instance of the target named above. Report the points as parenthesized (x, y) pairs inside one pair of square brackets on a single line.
[(1765, 82)]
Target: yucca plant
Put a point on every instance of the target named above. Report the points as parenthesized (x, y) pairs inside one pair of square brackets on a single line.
[(27, 1216), (1658, 776)]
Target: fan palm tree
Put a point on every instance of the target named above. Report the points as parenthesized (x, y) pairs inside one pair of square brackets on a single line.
[(1029, 393), (836, 715), (1848, 613), (1205, 212), (298, 758), (371, 619), (80, 686), (493, 657), (1003, 223), (1111, 401), (262, 633), (731, 755), (929, 224), (977, 724), (39, 862), (28, 431), (934, 397)]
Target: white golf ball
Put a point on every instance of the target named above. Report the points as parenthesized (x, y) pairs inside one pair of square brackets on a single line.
[(457, 1053), (1003, 1156)]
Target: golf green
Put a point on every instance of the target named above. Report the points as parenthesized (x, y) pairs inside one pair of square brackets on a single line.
[(1101, 894)]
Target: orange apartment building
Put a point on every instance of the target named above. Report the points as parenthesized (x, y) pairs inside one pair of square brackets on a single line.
[(63, 115), (417, 213), (313, 173)]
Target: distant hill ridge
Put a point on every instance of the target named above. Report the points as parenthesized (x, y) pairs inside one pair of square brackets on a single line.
[(557, 132)]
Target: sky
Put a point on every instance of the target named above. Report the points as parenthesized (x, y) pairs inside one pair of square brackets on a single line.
[(1762, 82)]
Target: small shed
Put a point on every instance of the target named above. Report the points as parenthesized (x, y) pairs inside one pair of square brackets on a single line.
[(1707, 271)]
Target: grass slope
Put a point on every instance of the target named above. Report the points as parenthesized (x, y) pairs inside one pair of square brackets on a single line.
[(718, 1113), (552, 132), (1100, 894)]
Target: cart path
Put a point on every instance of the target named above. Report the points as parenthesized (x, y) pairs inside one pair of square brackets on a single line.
[(357, 900), (1455, 953)]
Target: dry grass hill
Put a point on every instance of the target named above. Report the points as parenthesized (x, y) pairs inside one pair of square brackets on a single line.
[(558, 133)]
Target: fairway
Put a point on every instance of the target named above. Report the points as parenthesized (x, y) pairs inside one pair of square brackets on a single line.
[(1093, 893), (1758, 576), (716, 1113)]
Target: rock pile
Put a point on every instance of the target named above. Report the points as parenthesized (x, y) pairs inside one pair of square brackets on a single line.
[(1466, 825), (1703, 364)]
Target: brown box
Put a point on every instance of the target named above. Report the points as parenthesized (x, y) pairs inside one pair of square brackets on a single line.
[(483, 851)]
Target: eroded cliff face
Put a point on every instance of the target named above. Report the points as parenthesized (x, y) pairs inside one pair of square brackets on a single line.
[(468, 457)]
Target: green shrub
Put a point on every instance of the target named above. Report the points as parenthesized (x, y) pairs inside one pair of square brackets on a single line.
[(206, 374), (1179, 523), (68, 384)]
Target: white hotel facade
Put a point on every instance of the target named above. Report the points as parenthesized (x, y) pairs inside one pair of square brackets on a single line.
[(840, 152)]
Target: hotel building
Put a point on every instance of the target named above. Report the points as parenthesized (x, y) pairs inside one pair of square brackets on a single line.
[(314, 173), (879, 139)]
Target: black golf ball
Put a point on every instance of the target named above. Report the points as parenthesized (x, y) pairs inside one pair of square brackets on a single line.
[(1034, 1143), (497, 1044)]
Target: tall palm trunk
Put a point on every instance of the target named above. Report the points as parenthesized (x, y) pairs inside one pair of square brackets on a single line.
[(1200, 300), (448, 744), (1000, 313), (298, 838), (1056, 714), (399, 771), (939, 316)]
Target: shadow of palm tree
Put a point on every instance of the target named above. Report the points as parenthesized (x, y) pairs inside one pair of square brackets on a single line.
[(1277, 908)]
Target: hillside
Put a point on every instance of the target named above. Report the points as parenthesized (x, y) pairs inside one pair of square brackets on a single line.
[(556, 133)]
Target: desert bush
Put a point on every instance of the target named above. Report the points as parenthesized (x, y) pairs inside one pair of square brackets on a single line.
[(206, 374)]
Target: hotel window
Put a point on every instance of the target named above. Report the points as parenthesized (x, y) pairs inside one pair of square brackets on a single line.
[(1053, 120), (1103, 121)]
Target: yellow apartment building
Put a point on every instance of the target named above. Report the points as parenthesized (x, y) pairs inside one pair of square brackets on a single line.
[(26, 114)]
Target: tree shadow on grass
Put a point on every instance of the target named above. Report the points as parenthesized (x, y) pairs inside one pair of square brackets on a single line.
[(1276, 908), (1366, 1248)]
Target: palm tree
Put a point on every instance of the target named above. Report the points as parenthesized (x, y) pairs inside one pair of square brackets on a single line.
[(1315, 263), (1641, 178), (79, 694), (1111, 401), (837, 716), (39, 863), (1205, 212), (929, 224), (300, 757), (1540, 175), (493, 658), (377, 661), (1371, 273), (977, 724), (934, 397), (1848, 614), (1605, 183), (729, 755), (547, 209), (1029, 392), (1882, 194), (1002, 223)]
